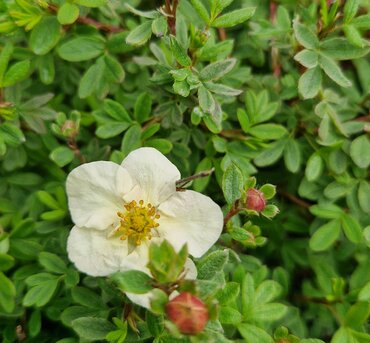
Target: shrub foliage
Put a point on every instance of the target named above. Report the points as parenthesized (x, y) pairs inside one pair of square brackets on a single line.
[(273, 92)]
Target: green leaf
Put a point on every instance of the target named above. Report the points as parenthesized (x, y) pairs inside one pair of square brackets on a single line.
[(229, 315), (332, 69), (17, 72), (140, 34), (292, 155), (232, 183), (362, 22), (52, 263), (253, 334), (143, 107), (269, 312), (91, 80), (271, 154), (359, 151), (222, 89), (45, 35), (357, 314), (268, 190), (216, 70), (82, 48), (310, 83), (68, 13), (305, 36), (364, 195), (314, 167), (308, 58), (92, 329), (200, 184), (40, 294), (268, 131), (48, 200), (90, 3), (6, 53), (159, 26), (229, 293), (206, 100), (115, 110), (180, 53), (161, 144), (350, 10), (34, 323), (7, 293), (212, 263), (267, 291), (354, 36), (325, 236), (352, 228), (326, 211), (87, 298), (113, 69), (11, 134), (234, 17), (201, 10), (110, 130), (133, 281), (131, 140), (62, 156), (341, 49), (6, 262)]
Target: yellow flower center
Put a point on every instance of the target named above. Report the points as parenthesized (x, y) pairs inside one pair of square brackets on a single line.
[(137, 223)]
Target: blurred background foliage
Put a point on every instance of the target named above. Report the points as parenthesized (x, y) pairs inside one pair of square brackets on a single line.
[(278, 90)]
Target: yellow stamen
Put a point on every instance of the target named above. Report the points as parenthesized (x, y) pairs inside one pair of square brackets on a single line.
[(137, 222)]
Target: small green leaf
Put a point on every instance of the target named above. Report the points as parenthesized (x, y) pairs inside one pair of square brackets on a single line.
[(133, 281), (268, 131), (350, 10), (87, 298), (352, 228), (163, 145), (341, 49), (40, 294), (314, 167), (292, 155), (7, 293), (234, 17), (92, 329), (17, 72), (62, 156), (305, 36), (308, 58), (268, 190), (229, 315), (354, 36), (206, 100), (332, 69), (180, 53), (143, 107), (82, 48), (91, 80), (201, 10), (364, 195), (325, 236), (140, 34), (310, 83), (212, 263), (357, 314), (326, 211), (253, 334), (111, 129), (52, 263), (359, 151), (131, 140), (232, 183), (68, 13), (45, 35), (271, 154), (216, 70)]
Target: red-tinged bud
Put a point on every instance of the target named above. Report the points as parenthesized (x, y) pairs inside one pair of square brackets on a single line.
[(255, 200), (188, 313)]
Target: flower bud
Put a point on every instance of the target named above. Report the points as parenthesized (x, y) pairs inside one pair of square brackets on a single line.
[(188, 313), (255, 200)]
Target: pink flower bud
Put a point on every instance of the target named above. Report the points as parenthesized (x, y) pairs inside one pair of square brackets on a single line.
[(255, 200), (188, 313)]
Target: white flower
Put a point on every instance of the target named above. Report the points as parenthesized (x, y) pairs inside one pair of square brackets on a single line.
[(118, 210)]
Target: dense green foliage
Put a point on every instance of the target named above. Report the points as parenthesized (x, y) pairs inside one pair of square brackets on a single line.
[(273, 91)]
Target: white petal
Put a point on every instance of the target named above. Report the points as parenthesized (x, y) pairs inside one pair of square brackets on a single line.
[(190, 270), (94, 254), (192, 218), (141, 299), (153, 173), (95, 193)]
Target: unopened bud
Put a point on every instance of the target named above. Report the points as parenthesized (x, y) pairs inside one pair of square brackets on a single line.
[(188, 313), (255, 200)]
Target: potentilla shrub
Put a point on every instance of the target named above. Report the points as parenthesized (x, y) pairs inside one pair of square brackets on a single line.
[(184, 171)]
